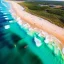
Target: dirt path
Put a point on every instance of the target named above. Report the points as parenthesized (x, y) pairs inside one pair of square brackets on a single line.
[(39, 23)]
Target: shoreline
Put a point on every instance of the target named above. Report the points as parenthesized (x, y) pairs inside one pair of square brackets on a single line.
[(53, 29)]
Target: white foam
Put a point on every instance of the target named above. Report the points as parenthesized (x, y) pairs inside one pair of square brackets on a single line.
[(37, 41), (7, 26), (5, 13), (6, 18), (46, 40), (63, 50), (10, 21)]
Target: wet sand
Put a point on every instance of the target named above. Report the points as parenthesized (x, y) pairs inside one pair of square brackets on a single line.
[(39, 23)]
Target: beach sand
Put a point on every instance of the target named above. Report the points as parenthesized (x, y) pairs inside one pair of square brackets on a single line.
[(40, 23)]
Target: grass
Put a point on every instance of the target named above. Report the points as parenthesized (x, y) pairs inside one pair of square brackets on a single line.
[(45, 12)]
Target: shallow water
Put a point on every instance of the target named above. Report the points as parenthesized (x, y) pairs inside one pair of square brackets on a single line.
[(17, 45)]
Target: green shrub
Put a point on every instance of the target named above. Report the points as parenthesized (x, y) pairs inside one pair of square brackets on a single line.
[(34, 7), (56, 11), (62, 19)]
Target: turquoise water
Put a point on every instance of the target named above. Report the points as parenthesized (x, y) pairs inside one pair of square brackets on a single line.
[(17, 45)]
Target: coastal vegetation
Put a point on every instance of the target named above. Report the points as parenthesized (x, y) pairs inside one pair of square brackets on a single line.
[(49, 12)]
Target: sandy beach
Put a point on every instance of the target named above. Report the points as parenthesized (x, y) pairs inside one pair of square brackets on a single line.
[(39, 22)]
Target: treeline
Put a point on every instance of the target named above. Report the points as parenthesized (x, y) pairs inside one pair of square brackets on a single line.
[(58, 12), (46, 2), (48, 9), (54, 15)]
